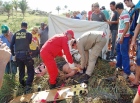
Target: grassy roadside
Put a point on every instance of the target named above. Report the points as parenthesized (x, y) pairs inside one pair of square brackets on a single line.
[(14, 23)]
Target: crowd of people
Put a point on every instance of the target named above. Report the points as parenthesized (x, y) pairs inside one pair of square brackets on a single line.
[(124, 30)]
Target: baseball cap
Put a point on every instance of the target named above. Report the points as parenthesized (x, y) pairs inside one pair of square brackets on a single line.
[(70, 32), (4, 29)]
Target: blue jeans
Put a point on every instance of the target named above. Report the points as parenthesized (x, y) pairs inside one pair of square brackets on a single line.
[(114, 35), (123, 55)]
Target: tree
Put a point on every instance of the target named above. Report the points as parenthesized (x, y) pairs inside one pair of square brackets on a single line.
[(65, 6), (7, 8), (1, 2), (58, 9), (15, 5), (23, 5)]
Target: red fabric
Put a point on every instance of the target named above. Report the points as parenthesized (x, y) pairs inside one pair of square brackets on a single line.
[(60, 54), (52, 69), (89, 15), (52, 48), (139, 90), (55, 46)]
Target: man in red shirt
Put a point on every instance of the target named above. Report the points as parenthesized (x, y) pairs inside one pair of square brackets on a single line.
[(52, 48)]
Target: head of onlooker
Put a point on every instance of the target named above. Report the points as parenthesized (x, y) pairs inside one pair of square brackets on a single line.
[(74, 14), (43, 25), (24, 25), (35, 30), (113, 5), (84, 15), (103, 8), (70, 34), (68, 15), (5, 30), (119, 7), (129, 3), (96, 7)]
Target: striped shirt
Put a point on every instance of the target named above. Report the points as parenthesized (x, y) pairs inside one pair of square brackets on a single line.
[(124, 18)]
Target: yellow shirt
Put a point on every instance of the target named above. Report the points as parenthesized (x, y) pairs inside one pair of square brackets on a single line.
[(34, 43)]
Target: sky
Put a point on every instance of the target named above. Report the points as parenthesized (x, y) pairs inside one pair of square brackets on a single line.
[(73, 5)]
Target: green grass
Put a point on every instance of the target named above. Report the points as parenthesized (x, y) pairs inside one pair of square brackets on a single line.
[(100, 91), (14, 22)]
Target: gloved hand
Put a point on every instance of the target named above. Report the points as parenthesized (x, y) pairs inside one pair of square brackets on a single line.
[(72, 66), (14, 58)]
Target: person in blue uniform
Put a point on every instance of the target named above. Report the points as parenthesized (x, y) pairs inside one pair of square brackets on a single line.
[(22, 39)]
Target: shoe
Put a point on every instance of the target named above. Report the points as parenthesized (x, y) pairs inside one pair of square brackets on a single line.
[(27, 89), (23, 83), (52, 86), (84, 78), (84, 70)]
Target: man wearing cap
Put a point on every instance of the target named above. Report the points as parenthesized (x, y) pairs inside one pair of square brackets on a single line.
[(52, 48), (6, 37), (94, 41), (43, 33), (22, 39)]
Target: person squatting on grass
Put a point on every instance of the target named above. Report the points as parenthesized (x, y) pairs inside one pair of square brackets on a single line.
[(94, 41), (52, 48)]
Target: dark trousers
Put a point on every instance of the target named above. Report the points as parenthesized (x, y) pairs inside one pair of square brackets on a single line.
[(30, 71), (113, 39)]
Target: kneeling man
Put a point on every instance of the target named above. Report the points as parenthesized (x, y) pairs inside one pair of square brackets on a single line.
[(94, 41)]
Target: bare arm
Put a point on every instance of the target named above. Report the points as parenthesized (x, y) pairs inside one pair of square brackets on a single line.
[(137, 98), (72, 73), (113, 22), (124, 32), (137, 30), (126, 28)]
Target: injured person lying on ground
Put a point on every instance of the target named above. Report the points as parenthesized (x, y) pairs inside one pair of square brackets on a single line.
[(62, 65)]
